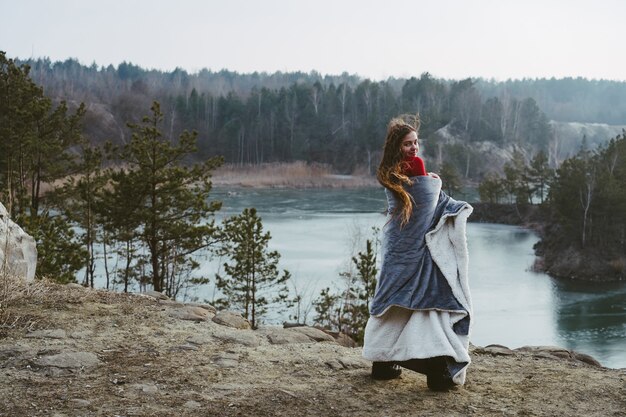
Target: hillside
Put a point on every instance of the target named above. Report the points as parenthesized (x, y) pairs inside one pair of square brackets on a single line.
[(66, 350), (339, 121)]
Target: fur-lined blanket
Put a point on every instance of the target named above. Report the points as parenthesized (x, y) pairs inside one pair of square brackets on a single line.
[(422, 307)]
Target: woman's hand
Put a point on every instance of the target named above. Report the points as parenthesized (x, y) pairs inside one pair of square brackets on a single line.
[(432, 174)]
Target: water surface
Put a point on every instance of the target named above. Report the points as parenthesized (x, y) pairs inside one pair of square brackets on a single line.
[(314, 231)]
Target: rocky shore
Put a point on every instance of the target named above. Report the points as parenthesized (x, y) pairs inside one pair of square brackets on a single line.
[(71, 351)]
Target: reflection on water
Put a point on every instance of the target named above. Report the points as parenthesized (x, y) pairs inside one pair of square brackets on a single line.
[(592, 317)]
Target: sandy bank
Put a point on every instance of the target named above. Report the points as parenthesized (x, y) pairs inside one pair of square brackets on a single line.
[(289, 175)]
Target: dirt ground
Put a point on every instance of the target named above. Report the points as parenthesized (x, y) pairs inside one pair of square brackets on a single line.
[(138, 360)]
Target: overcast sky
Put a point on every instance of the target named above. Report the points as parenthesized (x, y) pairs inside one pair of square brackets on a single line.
[(455, 39)]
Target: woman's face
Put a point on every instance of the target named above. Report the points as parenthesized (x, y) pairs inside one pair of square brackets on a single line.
[(409, 146)]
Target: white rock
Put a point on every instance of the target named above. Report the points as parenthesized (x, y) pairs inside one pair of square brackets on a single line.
[(17, 248)]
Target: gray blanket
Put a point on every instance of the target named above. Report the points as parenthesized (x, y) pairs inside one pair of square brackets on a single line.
[(409, 276)]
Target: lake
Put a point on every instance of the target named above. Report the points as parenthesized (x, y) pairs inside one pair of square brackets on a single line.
[(317, 231)]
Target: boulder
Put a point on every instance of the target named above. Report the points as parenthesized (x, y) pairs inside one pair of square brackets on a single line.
[(495, 350), (240, 338), (17, 248), (69, 360), (226, 360), (278, 336), (231, 319), (157, 295), (315, 334), (583, 357), (207, 307), (190, 313)]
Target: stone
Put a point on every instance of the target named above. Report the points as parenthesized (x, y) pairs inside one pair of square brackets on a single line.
[(149, 389), (231, 319), (533, 349), (190, 313), (240, 338), (496, 350), (17, 248), (69, 360), (583, 357), (334, 364), (47, 334), (80, 403), (192, 405), (355, 363), (198, 340), (226, 360), (15, 356), (315, 334), (280, 336), (208, 307), (549, 352), (157, 295)]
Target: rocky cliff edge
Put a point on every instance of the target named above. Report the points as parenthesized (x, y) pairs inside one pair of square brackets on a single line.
[(72, 351)]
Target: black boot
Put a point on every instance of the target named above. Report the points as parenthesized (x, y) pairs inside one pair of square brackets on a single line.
[(385, 370), (438, 378)]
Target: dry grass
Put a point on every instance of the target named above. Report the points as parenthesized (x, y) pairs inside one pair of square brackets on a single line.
[(297, 174), (15, 291)]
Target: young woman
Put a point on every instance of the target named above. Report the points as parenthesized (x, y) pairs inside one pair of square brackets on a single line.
[(420, 314)]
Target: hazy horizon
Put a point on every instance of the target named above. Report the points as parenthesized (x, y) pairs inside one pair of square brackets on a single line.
[(451, 39)]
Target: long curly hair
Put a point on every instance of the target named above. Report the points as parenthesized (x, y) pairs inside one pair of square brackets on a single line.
[(389, 173)]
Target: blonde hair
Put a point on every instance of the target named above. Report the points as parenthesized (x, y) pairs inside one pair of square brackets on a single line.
[(389, 173)]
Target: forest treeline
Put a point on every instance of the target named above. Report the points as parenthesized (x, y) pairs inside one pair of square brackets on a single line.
[(583, 202), (339, 120)]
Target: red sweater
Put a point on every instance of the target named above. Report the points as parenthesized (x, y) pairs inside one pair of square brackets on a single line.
[(413, 167)]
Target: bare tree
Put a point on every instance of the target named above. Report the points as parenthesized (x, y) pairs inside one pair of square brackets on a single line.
[(586, 197)]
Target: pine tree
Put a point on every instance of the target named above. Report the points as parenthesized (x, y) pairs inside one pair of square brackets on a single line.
[(82, 198), (348, 311), (491, 188), (36, 140), (252, 274), (540, 174), (172, 217)]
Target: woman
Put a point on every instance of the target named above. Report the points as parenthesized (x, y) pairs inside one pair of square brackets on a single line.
[(420, 314)]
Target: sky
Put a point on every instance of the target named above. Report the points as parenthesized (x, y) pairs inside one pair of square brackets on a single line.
[(451, 39)]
